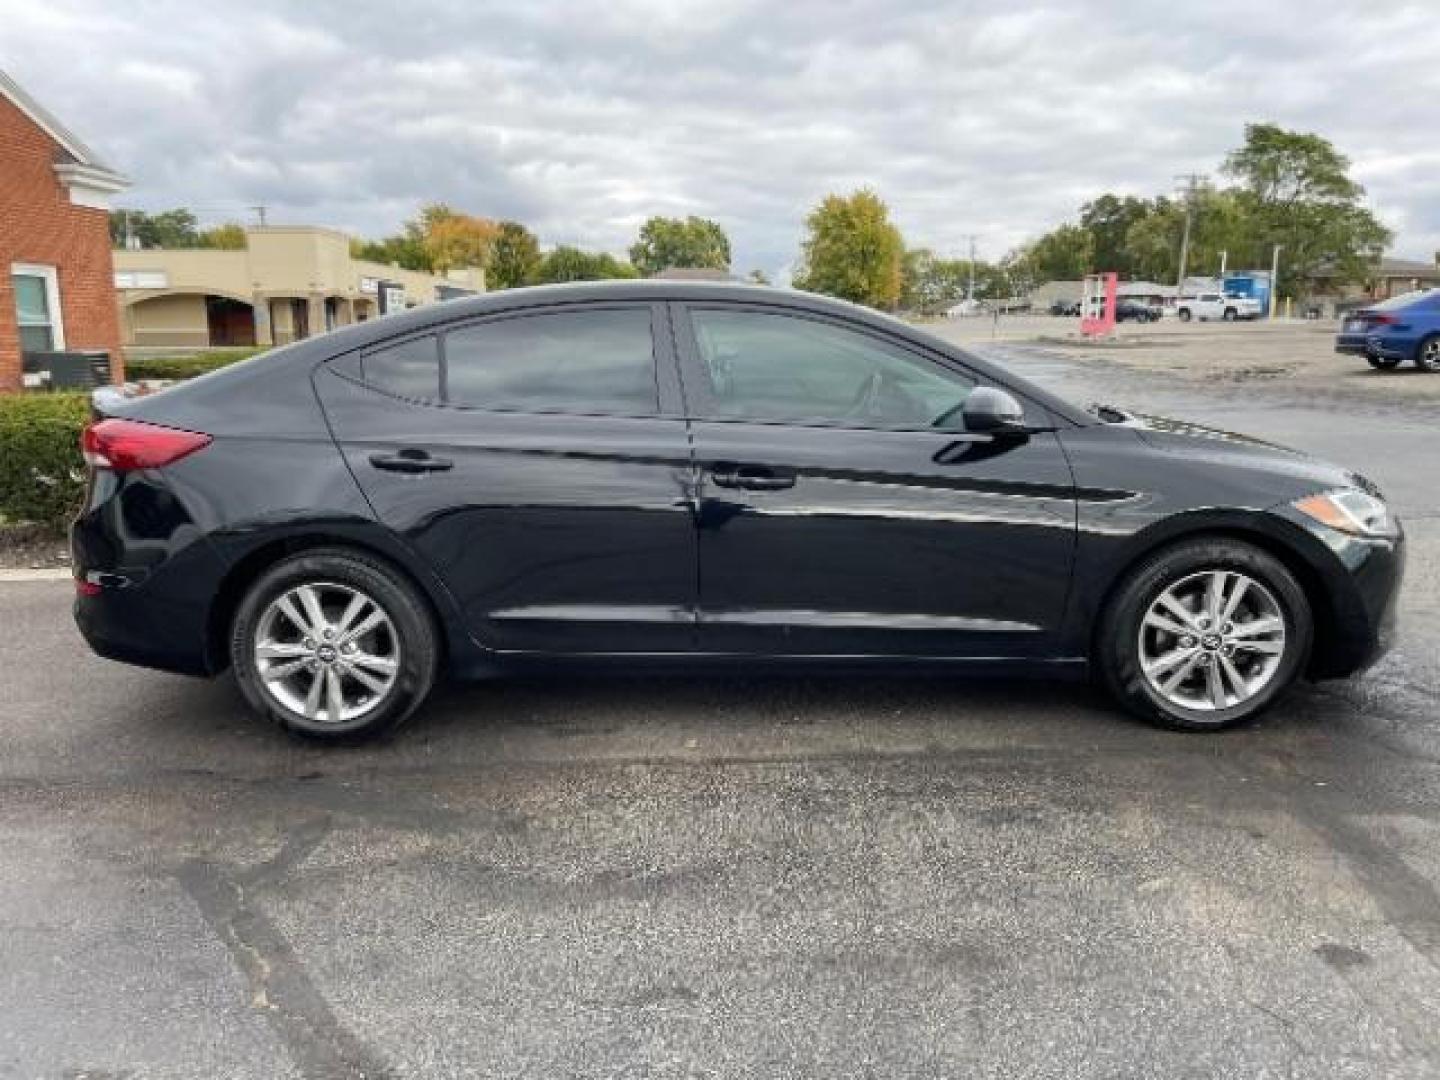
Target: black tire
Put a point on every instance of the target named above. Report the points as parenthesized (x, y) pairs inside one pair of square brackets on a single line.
[(1427, 356), (1231, 314), (408, 612), (1183, 314), (1117, 643), (1382, 363)]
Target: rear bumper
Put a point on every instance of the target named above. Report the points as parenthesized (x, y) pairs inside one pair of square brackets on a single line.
[(153, 577), (1378, 345)]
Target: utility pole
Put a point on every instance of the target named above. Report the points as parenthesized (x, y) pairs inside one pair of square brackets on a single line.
[(1274, 277), (1191, 182), (970, 293), (260, 213), (1224, 255)]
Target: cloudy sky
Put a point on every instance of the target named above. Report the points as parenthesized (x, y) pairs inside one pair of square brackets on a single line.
[(584, 117)]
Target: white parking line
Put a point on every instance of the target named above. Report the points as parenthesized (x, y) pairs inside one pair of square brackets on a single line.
[(59, 573)]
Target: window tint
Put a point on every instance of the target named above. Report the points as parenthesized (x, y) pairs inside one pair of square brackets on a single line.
[(410, 369), (763, 366), (582, 361)]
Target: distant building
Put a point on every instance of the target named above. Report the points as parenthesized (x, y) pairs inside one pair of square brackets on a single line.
[(287, 283), (56, 286), (1391, 277)]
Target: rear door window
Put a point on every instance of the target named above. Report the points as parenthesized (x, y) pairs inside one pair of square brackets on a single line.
[(590, 361), (407, 369)]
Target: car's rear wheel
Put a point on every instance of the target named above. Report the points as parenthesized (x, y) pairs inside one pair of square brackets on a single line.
[(1204, 635), (1183, 314), (333, 644), (1427, 357)]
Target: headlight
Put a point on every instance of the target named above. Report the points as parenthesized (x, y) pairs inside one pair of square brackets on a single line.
[(1349, 511)]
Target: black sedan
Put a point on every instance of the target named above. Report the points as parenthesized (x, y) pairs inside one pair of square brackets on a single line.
[(678, 474), (1135, 311)]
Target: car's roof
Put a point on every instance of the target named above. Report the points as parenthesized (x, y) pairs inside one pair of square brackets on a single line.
[(582, 291)]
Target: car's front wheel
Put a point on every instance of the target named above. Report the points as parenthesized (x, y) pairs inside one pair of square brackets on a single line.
[(1204, 635), (334, 644), (1231, 314), (1183, 314), (1427, 357)]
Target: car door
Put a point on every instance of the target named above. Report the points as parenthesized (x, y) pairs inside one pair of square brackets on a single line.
[(538, 461), (841, 508)]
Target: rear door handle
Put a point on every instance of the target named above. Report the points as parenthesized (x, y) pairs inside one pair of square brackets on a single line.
[(752, 477), (410, 460)]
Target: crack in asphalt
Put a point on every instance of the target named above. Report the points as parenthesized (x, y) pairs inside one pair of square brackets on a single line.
[(319, 1045)]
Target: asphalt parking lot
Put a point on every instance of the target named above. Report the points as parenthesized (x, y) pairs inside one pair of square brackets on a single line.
[(748, 877)]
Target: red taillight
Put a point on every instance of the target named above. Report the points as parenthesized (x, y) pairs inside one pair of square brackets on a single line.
[(123, 445), (87, 588)]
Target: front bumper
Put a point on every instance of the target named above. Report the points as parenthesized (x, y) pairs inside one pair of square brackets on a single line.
[(1359, 579)]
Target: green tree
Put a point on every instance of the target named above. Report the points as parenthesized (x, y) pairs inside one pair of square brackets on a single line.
[(227, 237), (404, 250), (1063, 254), (759, 277), (666, 243), (1109, 219), (1296, 191), (567, 263), (176, 228), (515, 258), (852, 250), (930, 283)]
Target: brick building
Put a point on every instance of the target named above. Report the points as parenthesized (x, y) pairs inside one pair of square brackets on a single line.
[(57, 282)]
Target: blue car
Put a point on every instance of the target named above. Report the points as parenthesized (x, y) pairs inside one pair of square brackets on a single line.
[(1402, 328)]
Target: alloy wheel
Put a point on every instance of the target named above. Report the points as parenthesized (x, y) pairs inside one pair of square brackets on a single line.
[(1212, 641), (327, 651), (1430, 355)]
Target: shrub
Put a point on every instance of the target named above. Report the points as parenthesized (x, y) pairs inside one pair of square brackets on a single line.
[(185, 367), (42, 475)]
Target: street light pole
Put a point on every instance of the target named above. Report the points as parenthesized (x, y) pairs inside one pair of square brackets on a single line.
[(1274, 278)]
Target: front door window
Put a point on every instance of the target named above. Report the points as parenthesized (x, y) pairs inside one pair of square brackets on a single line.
[(769, 367)]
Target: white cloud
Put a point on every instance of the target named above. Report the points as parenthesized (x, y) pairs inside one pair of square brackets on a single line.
[(582, 119)]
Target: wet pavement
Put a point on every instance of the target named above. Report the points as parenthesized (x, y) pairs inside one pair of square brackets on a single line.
[(738, 877)]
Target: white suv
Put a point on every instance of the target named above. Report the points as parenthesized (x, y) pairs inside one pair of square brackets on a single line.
[(1214, 305)]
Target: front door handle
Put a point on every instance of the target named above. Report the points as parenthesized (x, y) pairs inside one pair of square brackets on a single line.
[(752, 477), (410, 460)]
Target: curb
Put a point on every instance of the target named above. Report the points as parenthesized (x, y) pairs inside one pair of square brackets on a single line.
[(57, 574)]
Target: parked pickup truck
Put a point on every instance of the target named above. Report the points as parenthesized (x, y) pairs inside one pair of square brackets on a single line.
[(1214, 305)]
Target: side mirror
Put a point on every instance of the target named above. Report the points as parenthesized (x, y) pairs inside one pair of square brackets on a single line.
[(991, 411)]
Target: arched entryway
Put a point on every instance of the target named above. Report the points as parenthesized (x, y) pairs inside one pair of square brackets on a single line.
[(177, 318)]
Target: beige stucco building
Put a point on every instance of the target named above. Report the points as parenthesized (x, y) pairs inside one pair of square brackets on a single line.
[(287, 283)]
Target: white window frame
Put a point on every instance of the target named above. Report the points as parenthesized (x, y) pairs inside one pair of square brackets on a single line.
[(52, 298)]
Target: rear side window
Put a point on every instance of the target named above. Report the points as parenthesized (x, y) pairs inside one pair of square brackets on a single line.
[(599, 361), (409, 369)]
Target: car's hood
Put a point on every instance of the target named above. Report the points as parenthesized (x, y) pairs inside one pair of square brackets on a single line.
[(1228, 448)]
